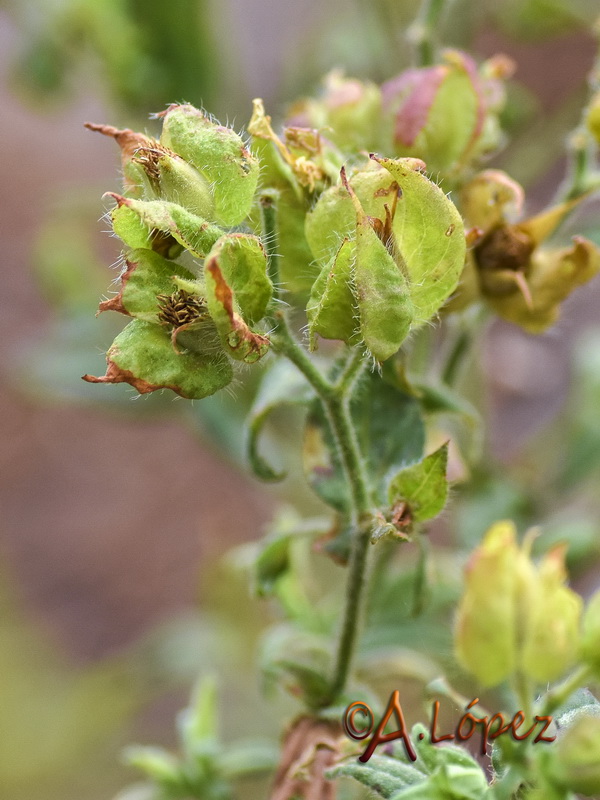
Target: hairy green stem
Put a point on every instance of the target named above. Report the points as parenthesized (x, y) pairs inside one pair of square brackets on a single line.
[(352, 369), (336, 403), (423, 32), (456, 357), (335, 398), (283, 341), (560, 694), (525, 693)]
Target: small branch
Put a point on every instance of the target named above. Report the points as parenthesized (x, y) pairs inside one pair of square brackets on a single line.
[(456, 358), (423, 32), (349, 375), (556, 697), (284, 342)]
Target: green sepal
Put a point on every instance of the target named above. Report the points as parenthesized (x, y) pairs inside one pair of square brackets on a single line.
[(143, 356), (382, 293), (195, 234), (219, 154), (454, 121), (238, 291), (146, 275), (281, 384), (243, 262), (333, 218), (429, 235), (331, 310), (296, 268), (179, 182), (422, 486)]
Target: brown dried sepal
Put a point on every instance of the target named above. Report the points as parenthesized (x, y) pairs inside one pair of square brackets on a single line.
[(116, 303), (310, 748), (129, 141), (114, 374), (250, 345), (401, 517)]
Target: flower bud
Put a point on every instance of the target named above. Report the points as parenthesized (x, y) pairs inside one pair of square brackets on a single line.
[(552, 613), (515, 616), (593, 117), (575, 765), (590, 641), (348, 109), (438, 113), (217, 153), (485, 627)]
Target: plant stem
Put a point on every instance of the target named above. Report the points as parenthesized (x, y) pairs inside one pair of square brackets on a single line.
[(336, 403), (460, 348), (561, 693), (352, 369), (284, 342), (335, 398), (423, 32), (524, 692)]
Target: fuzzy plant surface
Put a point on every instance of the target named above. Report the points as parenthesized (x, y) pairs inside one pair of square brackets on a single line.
[(323, 253)]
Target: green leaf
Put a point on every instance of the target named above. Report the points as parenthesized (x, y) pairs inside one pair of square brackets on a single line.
[(282, 384), (146, 275), (381, 774), (272, 563), (331, 309), (195, 234), (156, 763), (389, 427), (197, 724), (248, 758), (382, 293), (439, 773), (143, 356), (298, 661), (423, 486), (429, 235)]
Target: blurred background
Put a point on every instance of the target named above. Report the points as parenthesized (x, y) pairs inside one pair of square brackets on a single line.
[(114, 512)]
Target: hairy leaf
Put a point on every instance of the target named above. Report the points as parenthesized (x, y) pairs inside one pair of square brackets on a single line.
[(281, 384), (423, 486)]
